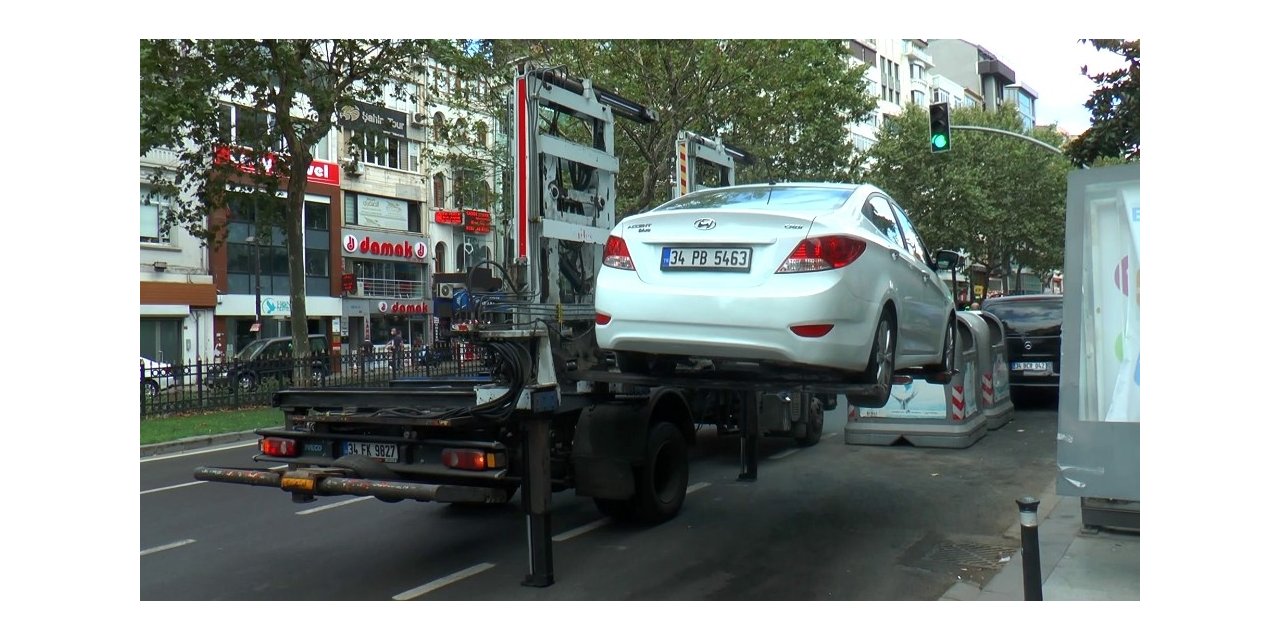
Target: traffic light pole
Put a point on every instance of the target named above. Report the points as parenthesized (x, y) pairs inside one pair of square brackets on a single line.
[(1010, 133)]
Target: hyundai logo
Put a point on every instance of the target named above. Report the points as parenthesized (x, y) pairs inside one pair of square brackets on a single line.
[(1027, 345), (704, 224)]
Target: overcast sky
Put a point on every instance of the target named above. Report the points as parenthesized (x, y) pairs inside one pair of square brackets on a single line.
[(1051, 67)]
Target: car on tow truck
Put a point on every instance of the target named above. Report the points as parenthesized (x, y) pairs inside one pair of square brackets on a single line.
[(796, 275)]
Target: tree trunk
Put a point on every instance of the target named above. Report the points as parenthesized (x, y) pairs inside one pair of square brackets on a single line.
[(294, 241)]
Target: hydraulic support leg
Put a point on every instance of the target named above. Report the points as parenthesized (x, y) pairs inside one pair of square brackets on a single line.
[(536, 500), (750, 438)]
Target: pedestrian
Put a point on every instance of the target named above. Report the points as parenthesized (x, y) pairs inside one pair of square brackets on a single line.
[(397, 351)]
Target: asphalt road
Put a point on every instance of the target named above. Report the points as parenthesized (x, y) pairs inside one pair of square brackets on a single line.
[(830, 522)]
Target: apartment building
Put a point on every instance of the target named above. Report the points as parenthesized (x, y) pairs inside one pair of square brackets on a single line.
[(377, 224)]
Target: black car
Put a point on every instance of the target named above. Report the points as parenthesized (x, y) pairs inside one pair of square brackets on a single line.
[(1033, 338), (272, 358)]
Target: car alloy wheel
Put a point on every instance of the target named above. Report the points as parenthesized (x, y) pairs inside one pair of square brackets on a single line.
[(884, 356)]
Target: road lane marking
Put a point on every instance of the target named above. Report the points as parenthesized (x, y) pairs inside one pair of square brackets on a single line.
[(779, 456), (166, 547), (443, 582), (695, 487), (573, 533), (176, 486), (200, 451), (334, 505), (191, 484)]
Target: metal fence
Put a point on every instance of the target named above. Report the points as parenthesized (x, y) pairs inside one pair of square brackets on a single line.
[(218, 385)]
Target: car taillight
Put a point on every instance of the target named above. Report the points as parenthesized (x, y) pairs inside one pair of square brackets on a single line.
[(602, 319), (472, 459), (616, 254), (279, 447), (822, 253)]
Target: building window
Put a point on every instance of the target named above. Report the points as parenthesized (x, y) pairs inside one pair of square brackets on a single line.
[(316, 216), (247, 127), (890, 88), (438, 129), (917, 71), (437, 188), (154, 229), (482, 135), (917, 97), (941, 96), (383, 150), (389, 279), (440, 253)]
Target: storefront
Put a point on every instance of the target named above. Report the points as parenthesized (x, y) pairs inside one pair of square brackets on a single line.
[(385, 279)]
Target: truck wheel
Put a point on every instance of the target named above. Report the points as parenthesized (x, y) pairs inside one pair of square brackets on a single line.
[(814, 428), (664, 476)]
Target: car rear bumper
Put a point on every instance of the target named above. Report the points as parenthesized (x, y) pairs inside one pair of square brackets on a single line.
[(745, 324)]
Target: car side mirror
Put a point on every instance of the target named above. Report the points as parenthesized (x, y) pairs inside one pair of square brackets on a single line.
[(947, 260)]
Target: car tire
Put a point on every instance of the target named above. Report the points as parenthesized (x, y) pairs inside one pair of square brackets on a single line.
[(813, 431), (881, 362), (150, 388), (948, 363)]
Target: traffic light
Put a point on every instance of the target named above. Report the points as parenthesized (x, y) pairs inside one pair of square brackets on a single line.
[(940, 127)]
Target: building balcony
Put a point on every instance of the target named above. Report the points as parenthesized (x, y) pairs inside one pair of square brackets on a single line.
[(161, 157), (915, 52), (384, 288)]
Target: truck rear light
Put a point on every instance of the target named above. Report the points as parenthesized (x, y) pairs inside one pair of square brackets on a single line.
[(473, 459), (812, 330), (602, 319), (616, 254), (822, 253), (279, 447)]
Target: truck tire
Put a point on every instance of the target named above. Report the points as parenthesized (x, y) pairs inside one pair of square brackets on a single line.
[(813, 431), (664, 476), (661, 480)]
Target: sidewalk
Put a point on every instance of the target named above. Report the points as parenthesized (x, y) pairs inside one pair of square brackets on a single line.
[(1074, 564)]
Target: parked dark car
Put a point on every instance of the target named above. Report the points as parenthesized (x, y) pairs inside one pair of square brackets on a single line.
[(1033, 338), (272, 358)]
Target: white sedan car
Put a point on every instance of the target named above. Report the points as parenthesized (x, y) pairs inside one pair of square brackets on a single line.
[(797, 275), (154, 376)]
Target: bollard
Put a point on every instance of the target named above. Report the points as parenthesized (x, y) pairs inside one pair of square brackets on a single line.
[(1031, 588)]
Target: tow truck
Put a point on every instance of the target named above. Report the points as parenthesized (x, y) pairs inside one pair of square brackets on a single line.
[(552, 414)]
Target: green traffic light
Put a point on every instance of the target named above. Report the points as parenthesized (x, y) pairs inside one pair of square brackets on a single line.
[(939, 141)]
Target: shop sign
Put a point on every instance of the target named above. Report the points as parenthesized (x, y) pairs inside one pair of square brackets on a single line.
[(478, 222), (319, 172), (364, 117), (404, 307), (367, 245), (453, 218), (274, 306)]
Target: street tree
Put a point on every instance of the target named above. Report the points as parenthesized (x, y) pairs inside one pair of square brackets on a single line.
[(1000, 198), (288, 94), (1113, 131)]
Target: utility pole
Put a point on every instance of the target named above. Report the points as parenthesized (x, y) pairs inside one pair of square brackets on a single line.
[(257, 280)]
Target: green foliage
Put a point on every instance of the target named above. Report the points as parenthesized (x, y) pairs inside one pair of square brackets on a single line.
[(301, 84), (1114, 130), (786, 102), (1000, 198)]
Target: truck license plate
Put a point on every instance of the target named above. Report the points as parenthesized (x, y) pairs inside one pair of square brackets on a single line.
[(1032, 366), (381, 451)]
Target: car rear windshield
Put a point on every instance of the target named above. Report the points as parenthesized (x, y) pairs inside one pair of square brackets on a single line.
[(1028, 317), (815, 199)]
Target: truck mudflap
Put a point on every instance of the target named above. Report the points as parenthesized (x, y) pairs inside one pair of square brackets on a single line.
[(305, 484)]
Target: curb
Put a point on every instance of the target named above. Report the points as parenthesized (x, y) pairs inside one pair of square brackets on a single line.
[(187, 444)]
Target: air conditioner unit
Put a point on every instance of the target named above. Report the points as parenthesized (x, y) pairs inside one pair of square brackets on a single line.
[(354, 167), (444, 290), (420, 119)]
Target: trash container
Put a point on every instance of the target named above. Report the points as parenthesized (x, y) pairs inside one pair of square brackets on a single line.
[(993, 367), (925, 414)]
